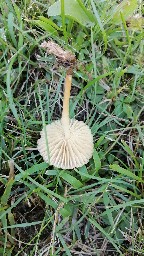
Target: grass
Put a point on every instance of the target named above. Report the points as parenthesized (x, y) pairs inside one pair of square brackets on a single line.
[(96, 209)]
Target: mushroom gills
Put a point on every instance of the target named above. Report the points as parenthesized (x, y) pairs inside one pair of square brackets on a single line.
[(66, 153)]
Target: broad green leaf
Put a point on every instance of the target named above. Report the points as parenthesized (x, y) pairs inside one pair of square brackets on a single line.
[(75, 10), (97, 160), (71, 180), (125, 172), (47, 27), (126, 7)]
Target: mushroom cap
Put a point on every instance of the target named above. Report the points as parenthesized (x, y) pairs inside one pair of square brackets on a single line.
[(66, 152)]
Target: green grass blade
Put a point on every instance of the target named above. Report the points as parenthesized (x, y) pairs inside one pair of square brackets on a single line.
[(111, 240), (11, 28), (47, 27), (100, 24), (125, 172), (68, 253), (71, 180)]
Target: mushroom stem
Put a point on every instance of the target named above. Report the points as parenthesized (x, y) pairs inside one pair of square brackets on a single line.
[(65, 113)]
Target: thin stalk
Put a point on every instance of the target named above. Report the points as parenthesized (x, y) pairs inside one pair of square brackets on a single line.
[(65, 113)]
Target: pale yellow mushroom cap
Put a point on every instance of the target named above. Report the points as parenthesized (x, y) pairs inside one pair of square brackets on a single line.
[(66, 151)]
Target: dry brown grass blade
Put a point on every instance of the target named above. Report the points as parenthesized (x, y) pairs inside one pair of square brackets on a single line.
[(11, 171)]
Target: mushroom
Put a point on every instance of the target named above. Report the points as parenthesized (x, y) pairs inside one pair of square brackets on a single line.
[(66, 143)]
